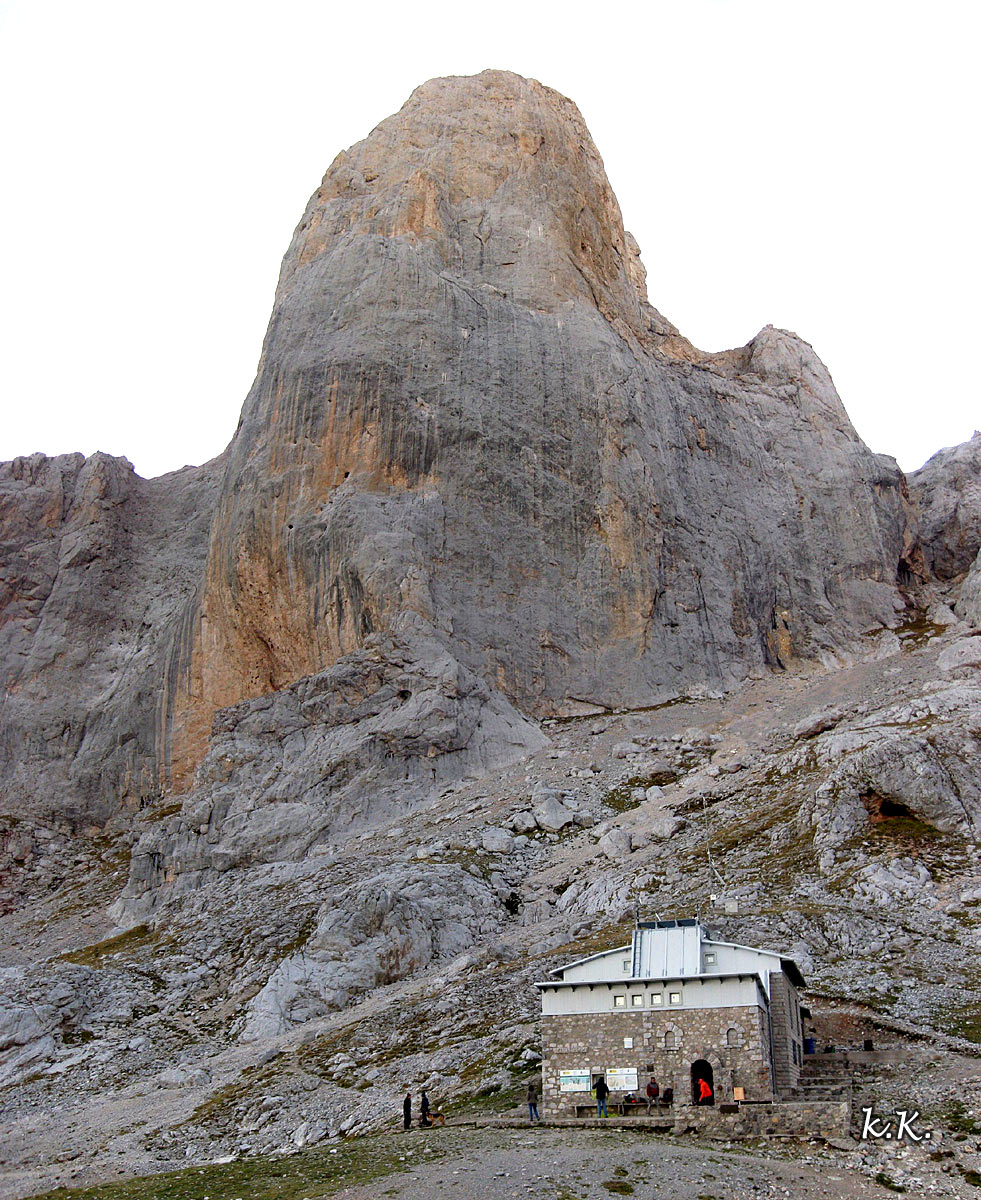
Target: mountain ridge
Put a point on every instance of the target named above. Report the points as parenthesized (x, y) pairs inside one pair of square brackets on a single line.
[(502, 609)]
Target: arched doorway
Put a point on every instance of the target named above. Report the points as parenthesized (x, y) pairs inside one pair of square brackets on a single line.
[(702, 1082)]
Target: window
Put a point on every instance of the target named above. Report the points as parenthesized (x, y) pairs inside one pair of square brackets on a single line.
[(674, 997), (657, 998), (619, 1001), (709, 959), (626, 966), (670, 1040), (636, 1000), (734, 1037)]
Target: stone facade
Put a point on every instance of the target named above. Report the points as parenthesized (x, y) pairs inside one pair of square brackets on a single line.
[(788, 1034), (735, 1041)]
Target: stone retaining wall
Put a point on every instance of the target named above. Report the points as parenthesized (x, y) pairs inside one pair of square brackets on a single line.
[(806, 1118)]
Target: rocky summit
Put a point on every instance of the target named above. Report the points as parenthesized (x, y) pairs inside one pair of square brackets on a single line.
[(506, 612)]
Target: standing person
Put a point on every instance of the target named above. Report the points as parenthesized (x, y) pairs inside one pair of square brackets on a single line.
[(533, 1102), (653, 1094), (602, 1091), (704, 1092), (424, 1109), (407, 1111)]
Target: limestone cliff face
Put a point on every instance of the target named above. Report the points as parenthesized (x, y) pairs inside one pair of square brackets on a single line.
[(468, 421), (96, 566), (947, 492), (469, 430)]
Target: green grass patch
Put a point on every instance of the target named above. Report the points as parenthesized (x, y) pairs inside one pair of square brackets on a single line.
[(883, 1180), (123, 943), (620, 799), (956, 1118), (312, 1172), (964, 1022), (619, 1187), (152, 815), (238, 1091), (904, 828), (918, 632)]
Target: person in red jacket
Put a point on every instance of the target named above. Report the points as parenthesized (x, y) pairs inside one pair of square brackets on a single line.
[(653, 1094), (704, 1092)]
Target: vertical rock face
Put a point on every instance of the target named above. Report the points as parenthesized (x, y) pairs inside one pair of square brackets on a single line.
[(947, 492), (470, 435), (969, 600), (469, 423), (96, 565)]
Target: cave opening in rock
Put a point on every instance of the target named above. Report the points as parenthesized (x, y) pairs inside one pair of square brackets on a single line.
[(880, 808)]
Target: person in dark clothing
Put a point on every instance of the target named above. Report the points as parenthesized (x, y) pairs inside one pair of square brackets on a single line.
[(668, 1096), (424, 1109), (602, 1091), (653, 1093), (533, 1102), (407, 1111)]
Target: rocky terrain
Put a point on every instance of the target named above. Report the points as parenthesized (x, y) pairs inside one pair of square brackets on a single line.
[(506, 613)]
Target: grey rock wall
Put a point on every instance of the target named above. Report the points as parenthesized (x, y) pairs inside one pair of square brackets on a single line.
[(947, 493), (969, 601), (467, 415), (468, 426), (95, 566)]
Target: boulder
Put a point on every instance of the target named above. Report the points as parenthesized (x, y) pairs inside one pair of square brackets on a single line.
[(963, 658), (523, 822), (615, 844), (496, 841), (665, 826), (552, 815), (626, 749)]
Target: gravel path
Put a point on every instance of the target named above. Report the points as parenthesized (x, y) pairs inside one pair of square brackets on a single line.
[(479, 1164)]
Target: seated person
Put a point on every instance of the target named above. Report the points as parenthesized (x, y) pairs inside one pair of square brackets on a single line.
[(667, 1096)]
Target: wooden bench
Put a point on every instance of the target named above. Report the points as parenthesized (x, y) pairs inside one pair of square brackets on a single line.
[(621, 1109)]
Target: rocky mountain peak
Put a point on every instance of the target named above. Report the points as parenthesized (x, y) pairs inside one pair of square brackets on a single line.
[(469, 429), (506, 612), (494, 177)]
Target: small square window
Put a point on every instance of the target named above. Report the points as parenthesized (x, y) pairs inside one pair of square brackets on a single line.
[(636, 1000), (674, 997), (709, 959), (657, 998), (619, 1001), (626, 966)]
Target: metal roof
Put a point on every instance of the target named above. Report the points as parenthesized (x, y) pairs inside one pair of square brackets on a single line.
[(589, 958), (649, 979)]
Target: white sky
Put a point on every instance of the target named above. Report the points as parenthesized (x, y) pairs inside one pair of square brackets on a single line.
[(807, 163)]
